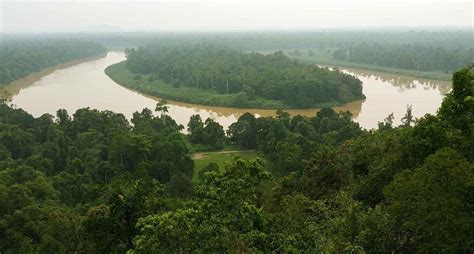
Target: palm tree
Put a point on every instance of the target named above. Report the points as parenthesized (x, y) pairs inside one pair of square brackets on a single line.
[(161, 107)]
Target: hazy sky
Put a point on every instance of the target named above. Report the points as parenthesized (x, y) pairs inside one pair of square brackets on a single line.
[(211, 15)]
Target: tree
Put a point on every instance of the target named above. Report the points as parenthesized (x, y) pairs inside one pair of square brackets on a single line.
[(24, 56), (63, 117), (94, 184), (412, 56), (241, 77), (227, 216), (129, 150), (243, 132), (214, 134), (110, 226), (180, 186), (387, 124), (408, 118), (196, 129), (431, 205), (339, 54), (457, 109), (211, 167), (161, 107), (210, 134)]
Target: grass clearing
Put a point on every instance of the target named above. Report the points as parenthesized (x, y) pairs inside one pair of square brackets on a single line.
[(220, 158)]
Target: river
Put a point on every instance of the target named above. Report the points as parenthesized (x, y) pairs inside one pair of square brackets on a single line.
[(86, 85)]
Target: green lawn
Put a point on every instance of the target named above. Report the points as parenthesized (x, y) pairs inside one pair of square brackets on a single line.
[(220, 158), (324, 57)]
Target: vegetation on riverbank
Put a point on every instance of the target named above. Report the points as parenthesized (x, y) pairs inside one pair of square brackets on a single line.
[(423, 54), (234, 79), (324, 57), (23, 57)]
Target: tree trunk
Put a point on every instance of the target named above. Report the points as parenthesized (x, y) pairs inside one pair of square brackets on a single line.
[(212, 82)]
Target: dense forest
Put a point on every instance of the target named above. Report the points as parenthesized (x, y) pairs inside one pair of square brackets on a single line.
[(21, 57), (251, 76), (407, 56), (95, 183), (433, 50), (282, 40)]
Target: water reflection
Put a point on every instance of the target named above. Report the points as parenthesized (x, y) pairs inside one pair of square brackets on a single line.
[(354, 107), (14, 88), (402, 82), (86, 85)]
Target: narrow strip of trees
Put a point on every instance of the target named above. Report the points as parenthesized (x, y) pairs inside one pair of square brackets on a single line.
[(407, 56)]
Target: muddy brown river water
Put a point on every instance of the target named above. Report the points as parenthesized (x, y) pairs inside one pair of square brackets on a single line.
[(85, 85)]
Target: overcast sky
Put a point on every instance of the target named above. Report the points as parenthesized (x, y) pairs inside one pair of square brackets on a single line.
[(212, 15)]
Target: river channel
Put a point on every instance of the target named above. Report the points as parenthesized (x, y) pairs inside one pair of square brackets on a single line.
[(86, 85)]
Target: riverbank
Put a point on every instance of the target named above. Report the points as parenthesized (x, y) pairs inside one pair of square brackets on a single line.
[(145, 84), (14, 87), (323, 58)]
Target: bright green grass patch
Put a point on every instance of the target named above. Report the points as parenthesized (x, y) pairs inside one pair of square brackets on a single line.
[(198, 148), (324, 57), (120, 74), (220, 158)]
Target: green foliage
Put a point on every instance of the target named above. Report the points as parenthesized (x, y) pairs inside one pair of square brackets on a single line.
[(180, 186), (210, 134), (432, 205), (243, 132), (409, 187), (220, 158), (25, 56), (295, 225), (80, 184), (286, 141), (120, 74), (407, 56), (252, 75), (316, 39), (211, 167), (93, 183), (195, 129), (326, 57), (226, 216)]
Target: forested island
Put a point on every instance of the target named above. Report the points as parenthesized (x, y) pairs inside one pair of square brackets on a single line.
[(220, 76), (21, 57), (95, 183)]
